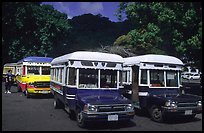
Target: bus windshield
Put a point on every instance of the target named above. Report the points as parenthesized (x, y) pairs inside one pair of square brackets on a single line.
[(157, 78), (88, 78), (46, 70), (35, 70)]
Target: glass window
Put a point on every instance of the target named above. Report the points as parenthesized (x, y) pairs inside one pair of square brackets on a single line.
[(110, 64), (86, 63), (51, 74), (108, 79), (88, 78), (171, 79), (45, 70), (72, 76), (143, 76), (124, 75), (33, 70), (60, 75), (57, 70), (156, 78)]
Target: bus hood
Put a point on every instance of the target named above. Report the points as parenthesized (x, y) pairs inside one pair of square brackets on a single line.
[(102, 97), (176, 96)]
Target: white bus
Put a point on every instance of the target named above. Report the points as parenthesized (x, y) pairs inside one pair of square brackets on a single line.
[(153, 82), (87, 85)]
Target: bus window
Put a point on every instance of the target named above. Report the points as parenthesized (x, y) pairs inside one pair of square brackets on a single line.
[(124, 76), (143, 76), (108, 79), (88, 78), (171, 79), (72, 76), (45, 70), (156, 78), (33, 70)]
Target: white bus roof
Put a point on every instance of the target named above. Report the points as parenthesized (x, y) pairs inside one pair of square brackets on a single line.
[(152, 58), (10, 64), (90, 56)]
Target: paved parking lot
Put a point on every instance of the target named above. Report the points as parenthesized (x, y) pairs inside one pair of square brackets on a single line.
[(38, 114)]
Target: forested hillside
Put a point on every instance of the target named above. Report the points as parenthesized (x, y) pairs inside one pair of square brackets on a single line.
[(172, 28)]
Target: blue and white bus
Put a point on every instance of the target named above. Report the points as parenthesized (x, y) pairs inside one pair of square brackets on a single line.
[(153, 83), (86, 84)]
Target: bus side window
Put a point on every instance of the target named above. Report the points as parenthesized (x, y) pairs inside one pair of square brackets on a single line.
[(72, 76), (143, 76)]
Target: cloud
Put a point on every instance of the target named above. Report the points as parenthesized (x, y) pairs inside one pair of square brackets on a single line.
[(62, 7), (91, 7)]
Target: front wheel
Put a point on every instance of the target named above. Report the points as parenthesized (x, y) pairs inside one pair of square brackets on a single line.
[(57, 104), (27, 93), (156, 114), (80, 118)]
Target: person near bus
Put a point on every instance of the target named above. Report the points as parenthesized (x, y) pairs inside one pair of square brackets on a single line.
[(8, 82)]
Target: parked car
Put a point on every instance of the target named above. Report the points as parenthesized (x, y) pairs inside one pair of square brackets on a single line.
[(185, 75), (194, 76)]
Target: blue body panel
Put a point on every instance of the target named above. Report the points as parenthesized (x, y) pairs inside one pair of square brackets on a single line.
[(75, 99), (36, 59)]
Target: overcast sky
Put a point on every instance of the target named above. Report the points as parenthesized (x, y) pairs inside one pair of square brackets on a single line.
[(106, 9)]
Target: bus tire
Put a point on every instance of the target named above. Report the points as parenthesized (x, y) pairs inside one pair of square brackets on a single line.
[(156, 114), (27, 94), (72, 115), (80, 118), (57, 104)]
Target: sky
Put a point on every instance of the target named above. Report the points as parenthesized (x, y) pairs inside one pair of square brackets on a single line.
[(106, 9)]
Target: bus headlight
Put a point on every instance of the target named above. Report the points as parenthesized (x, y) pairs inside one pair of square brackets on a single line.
[(31, 84), (199, 103), (90, 108), (171, 104), (129, 107)]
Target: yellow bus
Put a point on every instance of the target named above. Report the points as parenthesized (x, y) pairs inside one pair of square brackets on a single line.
[(33, 75), (12, 67)]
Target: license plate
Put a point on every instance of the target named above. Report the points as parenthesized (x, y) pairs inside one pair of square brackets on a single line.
[(188, 112), (44, 92), (112, 117)]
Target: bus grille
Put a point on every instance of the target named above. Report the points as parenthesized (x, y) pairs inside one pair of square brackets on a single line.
[(42, 84), (113, 108), (187, 104)]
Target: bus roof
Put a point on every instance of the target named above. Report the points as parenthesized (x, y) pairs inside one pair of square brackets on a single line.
[(152, 58), (90, 56), (36, 59), (10, 64)]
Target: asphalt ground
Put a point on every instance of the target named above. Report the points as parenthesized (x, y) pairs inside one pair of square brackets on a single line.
[(38, 114)]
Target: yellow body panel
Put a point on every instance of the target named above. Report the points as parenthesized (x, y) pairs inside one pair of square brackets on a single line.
[(33, 78)]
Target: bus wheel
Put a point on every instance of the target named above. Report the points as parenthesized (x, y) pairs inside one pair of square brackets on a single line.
[(156, 114), (57, 104), (27, 94), (80, 118)]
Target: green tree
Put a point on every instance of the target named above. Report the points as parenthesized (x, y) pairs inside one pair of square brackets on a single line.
[(29, 28), (179, 27)]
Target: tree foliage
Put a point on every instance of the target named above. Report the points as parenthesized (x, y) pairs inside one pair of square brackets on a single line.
[(32, 29), (173, 28), (93, 31)]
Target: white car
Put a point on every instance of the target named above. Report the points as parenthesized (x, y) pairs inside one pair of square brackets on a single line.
[(194, 76), (185, 75)]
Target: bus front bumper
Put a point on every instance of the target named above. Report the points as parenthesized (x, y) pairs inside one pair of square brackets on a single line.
[(39, 90)]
